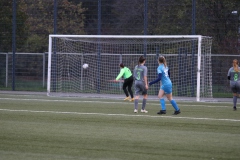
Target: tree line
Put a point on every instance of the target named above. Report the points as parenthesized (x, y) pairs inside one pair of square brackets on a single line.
[(214, 18)]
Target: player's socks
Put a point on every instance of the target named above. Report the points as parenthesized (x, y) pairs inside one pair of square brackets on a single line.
[(174, 104), (136, 104), (235, 100), (144, 103), (162, 102)]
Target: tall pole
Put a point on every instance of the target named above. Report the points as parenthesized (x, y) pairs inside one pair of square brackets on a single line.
[(99, 46), (145, 16), (13, 42), (193, 17), (193, 82), (235, 13), (55, 17), (238, 31), (99, 16), (145, 25), (54, 47)]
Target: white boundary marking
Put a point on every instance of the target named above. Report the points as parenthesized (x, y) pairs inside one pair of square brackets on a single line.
[(124, 115), (115, 102), (105, 114)]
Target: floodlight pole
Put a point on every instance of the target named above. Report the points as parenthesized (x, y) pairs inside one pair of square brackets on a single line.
[(14, 7), (145, 25), (99, 46), (237, 27), (193, 44)]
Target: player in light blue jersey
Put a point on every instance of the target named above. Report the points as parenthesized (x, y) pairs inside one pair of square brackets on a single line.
[(166, 87), (234, 78)]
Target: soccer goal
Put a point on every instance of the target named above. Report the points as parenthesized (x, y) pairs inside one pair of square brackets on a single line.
[(188, 57)]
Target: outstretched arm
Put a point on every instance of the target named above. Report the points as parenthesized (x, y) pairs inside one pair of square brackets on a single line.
[(120, 74), (156, 80)]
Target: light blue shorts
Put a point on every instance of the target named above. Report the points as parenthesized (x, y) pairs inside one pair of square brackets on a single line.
[(167, 88)]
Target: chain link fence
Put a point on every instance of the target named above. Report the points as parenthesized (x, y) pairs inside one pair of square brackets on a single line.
[(35, 20), (31, 72)]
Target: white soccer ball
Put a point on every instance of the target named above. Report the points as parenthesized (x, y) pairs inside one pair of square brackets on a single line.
[(85, 66)]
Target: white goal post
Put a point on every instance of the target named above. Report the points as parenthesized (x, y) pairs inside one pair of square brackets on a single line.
[(188, 57)]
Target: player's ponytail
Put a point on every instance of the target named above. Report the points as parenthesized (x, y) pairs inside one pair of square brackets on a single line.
[(235, 65), (162, 59), (141, 60)]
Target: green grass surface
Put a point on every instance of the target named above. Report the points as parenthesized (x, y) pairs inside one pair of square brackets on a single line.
[(47, 128)]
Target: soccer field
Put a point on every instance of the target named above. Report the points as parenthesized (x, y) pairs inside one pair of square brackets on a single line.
[(50, 128)]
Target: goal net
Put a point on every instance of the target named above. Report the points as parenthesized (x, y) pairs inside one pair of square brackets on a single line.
[(188, 57)]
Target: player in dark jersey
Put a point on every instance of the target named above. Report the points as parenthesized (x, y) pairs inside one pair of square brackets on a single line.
[(141, 84), (234, 77)]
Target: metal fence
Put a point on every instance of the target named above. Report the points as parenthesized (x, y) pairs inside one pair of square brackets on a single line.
[(31, 72)]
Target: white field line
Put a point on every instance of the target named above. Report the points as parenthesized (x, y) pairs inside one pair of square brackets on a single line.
[(93, 101), (123, 115)]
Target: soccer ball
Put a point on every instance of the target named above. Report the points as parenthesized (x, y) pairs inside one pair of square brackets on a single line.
[(85, 66)]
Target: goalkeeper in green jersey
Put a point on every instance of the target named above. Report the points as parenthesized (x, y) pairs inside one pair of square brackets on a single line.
[(128, 81)]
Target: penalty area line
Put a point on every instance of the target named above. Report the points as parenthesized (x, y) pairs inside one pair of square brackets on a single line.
[(124, 115)]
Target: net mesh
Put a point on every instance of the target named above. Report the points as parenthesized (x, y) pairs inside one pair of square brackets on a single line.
[(103, 56)]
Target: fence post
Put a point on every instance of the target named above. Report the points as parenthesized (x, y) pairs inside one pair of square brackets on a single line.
[(13, 42), (6, 70), (44, 58)]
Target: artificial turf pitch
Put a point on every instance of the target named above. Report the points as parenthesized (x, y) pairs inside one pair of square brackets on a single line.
[(51, 128)]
